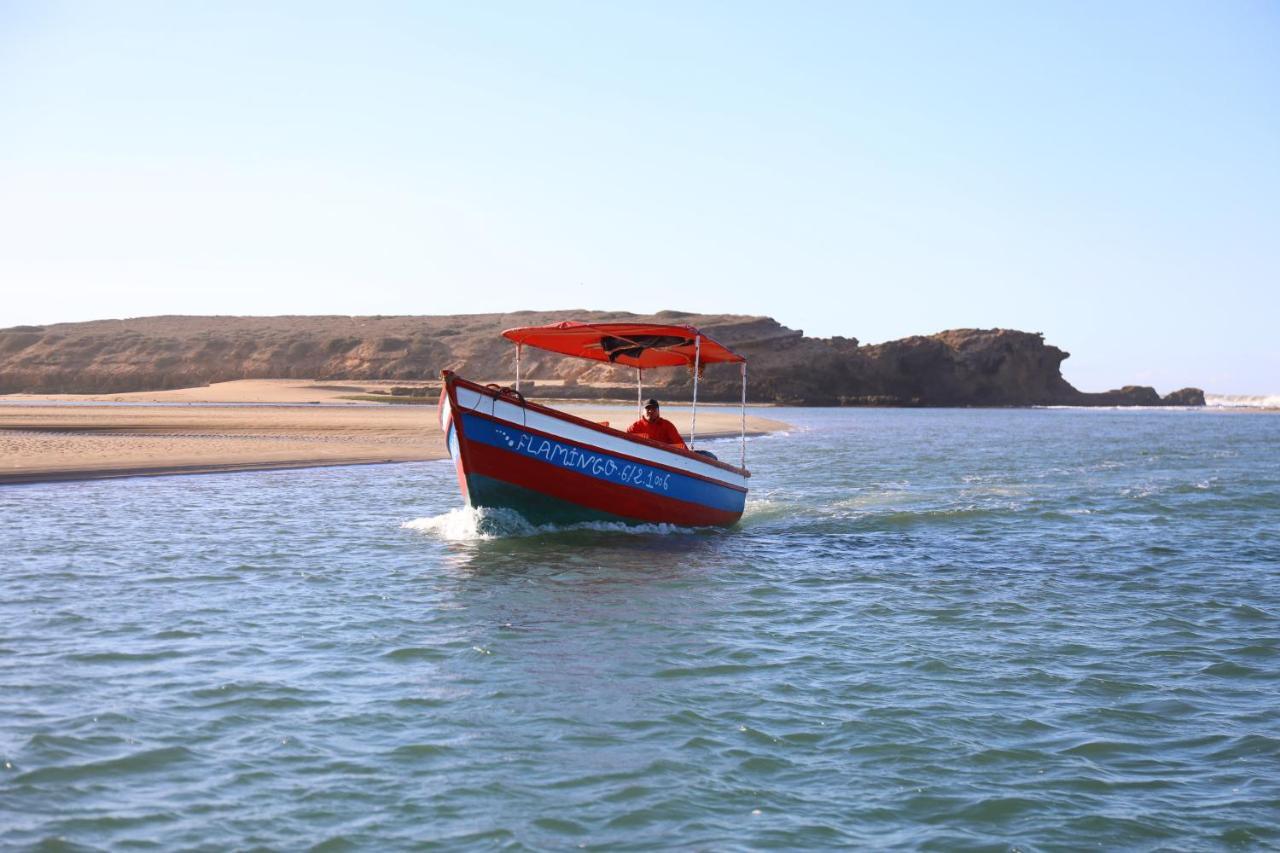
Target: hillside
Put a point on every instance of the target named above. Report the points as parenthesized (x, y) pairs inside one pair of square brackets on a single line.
[(961, 367)]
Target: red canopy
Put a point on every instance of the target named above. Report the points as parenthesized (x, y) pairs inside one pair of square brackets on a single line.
[(632, 344)]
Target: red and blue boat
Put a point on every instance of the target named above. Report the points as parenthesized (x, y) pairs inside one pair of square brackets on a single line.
[(553, 467)]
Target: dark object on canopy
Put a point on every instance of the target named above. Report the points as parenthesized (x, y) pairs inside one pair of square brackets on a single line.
[(633, 344)]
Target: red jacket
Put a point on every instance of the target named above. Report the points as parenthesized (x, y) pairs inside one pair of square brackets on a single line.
[(663, 431)]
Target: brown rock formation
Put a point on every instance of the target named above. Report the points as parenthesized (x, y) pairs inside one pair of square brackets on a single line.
[(1183, 397), (962, 367)]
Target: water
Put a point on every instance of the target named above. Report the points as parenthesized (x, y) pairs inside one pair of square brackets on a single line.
[(933, 630)]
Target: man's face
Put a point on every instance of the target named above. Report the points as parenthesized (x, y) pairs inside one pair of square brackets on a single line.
[(651, 414)]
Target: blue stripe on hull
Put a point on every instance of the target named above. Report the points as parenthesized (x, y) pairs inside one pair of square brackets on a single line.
[(603, 465)]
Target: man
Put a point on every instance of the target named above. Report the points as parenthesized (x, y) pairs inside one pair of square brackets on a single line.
[(656, 427)]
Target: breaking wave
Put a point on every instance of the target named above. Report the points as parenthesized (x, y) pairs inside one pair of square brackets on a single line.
[(1243, 401), (472, 524), (765, 510)]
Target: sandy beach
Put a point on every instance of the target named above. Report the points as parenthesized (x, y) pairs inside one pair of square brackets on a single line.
[(245, 425)]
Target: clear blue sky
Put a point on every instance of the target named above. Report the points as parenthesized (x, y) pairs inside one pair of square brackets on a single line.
[(1106, 173)]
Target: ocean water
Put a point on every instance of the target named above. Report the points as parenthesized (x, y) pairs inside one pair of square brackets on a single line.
[(933, 629)]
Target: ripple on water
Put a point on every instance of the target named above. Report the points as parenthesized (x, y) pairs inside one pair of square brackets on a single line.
[(138, 762)]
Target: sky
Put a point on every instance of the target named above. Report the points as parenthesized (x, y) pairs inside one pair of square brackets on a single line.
[(1105, 173)]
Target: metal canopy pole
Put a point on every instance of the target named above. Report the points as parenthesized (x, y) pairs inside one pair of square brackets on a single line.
[(639, 393), (518, 347), (697, 363), (744, 415)]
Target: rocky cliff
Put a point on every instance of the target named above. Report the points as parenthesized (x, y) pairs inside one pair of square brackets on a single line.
[(961, 367)]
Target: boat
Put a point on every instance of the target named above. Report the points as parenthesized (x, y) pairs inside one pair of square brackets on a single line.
[(552, 467)]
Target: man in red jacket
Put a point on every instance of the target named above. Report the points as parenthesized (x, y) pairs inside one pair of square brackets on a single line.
[(656, 427)]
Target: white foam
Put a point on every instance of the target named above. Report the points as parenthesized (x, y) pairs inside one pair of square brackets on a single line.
[(471, 524), (764, 510), (620, 527), (1243, 401)]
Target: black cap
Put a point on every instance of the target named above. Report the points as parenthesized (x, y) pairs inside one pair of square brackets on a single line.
[(652, 402)]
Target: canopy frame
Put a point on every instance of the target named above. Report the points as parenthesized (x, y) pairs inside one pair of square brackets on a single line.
[(697, 364), (744, 416), (638, 345)]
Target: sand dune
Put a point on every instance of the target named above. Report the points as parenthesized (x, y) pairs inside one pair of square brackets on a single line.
[(279, 424)]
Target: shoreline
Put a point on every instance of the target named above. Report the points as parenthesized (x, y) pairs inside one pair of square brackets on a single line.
[(87, 475), (274, 425)]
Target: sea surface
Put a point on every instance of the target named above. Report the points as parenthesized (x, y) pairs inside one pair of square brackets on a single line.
[(933, 629)]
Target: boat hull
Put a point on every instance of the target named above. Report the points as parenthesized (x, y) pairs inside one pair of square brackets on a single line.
[(552, 467)]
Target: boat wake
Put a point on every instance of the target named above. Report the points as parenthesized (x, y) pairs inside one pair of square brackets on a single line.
[(471, 524), (765, 510)]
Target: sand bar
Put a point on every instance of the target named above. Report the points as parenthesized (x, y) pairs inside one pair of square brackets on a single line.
[(246, 425)]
